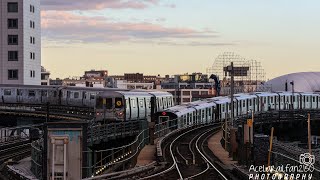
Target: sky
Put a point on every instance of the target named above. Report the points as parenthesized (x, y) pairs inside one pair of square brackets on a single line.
[(178, 36)]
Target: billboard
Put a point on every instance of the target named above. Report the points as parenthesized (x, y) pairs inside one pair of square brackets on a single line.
[(238, 71)]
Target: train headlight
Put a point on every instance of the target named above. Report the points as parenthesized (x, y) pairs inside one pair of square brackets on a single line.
[(119, 114)]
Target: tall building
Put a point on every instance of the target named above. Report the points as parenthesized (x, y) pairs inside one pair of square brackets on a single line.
[(20, 42)]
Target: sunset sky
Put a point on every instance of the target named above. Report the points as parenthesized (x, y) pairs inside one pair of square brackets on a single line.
[(178, 36)]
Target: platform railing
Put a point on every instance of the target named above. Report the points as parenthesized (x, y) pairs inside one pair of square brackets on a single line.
[(110, 159), (36, 158)]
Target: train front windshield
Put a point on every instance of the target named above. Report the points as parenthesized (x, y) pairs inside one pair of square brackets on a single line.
[(104, 102), (99, 103)]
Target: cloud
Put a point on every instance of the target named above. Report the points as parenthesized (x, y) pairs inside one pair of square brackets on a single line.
[(68, 5), (62, 25)]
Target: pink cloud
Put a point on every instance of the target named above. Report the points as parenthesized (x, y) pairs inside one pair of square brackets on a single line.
[(66, 25), (67, 5)]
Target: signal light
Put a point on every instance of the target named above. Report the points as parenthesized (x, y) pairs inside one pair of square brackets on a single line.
[(164, 113)]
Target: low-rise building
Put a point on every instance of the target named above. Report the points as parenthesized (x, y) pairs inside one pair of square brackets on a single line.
[(45, 77)]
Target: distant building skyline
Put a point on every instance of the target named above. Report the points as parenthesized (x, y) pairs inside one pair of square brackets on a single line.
[(176, 36)]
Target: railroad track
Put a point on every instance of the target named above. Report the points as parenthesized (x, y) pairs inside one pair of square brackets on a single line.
[(186, 156), (16, 152)]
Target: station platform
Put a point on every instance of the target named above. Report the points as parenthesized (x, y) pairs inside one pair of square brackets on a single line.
[(217, 149), (146, 155)]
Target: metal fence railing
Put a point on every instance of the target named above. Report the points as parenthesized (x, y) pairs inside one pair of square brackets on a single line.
[(110, 159), (36, 158)]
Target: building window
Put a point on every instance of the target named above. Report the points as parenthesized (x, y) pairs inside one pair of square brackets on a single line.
[(30, 24), (186, 100), (31, 73), (34, 40), (12, 39), (12, 55), (32, 55), (31, 8), (34, 74), (30, 40), (12, 7), (12, 23), (12, 74), (186, 93), (33, 24)]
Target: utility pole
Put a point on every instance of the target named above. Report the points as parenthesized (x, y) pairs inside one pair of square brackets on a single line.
[(270, 147), (309, 135), (231, 70)]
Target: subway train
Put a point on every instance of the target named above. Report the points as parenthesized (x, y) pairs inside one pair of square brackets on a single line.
[(109, 104), (217, 108), (130, 105)]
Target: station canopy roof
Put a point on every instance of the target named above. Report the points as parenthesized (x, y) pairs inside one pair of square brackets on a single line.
[(303, 82)]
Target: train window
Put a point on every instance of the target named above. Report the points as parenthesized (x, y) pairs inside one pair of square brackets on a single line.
[(68, 94), (119, 103), (313, 99), (265, 100), (294, 99), (243, 103), (99, 103), (32, 93), (7, 92), (54, 93), (92, 95), (76, 95), (271, 99), (44, 93), (141, 103), (108, 103), (133, 103), (307, 99), (19, 92), (250, 102)]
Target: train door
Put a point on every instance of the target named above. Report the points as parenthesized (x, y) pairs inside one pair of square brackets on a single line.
[(164, 103), (128, 108), (44, 96), (19, 95), (239, 107), (142, 109), (134, 108), (207, 116), (163, 123), (31, 95), (313, 105)]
